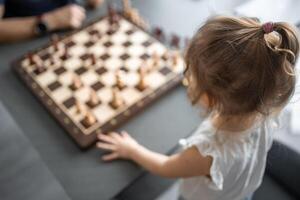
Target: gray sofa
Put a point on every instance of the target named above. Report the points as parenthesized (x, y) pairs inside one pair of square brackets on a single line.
[(282, 179)]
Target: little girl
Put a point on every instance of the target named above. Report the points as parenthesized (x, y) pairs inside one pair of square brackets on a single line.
[(242, 72)]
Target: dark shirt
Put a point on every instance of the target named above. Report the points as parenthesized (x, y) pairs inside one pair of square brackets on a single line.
[(23, 8)]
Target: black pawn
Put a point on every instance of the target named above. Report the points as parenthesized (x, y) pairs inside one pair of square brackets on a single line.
[(159, 34), (175, 41)]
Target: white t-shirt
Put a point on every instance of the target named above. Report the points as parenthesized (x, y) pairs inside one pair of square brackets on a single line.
[(238, 161)]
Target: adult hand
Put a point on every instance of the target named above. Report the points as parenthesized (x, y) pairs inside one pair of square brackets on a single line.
[(69, 16)]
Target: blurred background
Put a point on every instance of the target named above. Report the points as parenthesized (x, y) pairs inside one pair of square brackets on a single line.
[(68, 164)]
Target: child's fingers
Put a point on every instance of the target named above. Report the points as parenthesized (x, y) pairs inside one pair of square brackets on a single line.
[(125, 134), (109, 157), (114, 135), (106, 146), (106, 138)]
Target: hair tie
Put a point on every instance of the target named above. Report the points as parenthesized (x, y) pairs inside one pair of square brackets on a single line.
[(268, 27)]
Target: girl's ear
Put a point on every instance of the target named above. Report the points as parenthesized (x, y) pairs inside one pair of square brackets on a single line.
[(205, 101)]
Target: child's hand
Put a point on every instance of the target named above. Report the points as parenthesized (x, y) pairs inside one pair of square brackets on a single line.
[(121, 145)]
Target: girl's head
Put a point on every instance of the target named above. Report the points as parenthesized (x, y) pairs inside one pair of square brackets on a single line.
[(239, 66)]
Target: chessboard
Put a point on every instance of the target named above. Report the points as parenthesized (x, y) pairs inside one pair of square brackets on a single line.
[(96, 78)]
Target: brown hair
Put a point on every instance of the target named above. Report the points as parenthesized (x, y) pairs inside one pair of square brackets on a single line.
[(240, 67)]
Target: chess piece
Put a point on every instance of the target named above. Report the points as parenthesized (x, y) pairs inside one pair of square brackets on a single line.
[(159, 34), (89, 119), (32, 58), (65, 55), (117, 101), (93, 59), (54, 41), (79, 107), (113, 19), (126, 6), (175, 41), (175, 58), (94, 99), (76, 82), (142, 83), (111, 13), (119, 82), (166, 56), (39, 68), (155, 59), (133, 15), (52, 61)]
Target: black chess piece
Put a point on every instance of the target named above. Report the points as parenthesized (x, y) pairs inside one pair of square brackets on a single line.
[(39, 68), (31, 58), (54, 40), (113, 19), (65, 55), (93, 59), (175, 41), (159, 34)]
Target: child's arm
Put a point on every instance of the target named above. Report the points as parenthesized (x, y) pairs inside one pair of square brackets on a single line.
[(185, 164)]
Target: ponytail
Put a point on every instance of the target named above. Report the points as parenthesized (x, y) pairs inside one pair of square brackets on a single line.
[(289, 42), (282, 39)]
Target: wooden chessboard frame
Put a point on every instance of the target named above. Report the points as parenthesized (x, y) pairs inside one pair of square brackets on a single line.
[(82, 140)]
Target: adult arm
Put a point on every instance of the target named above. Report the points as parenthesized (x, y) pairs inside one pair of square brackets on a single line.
[(15, 29)]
